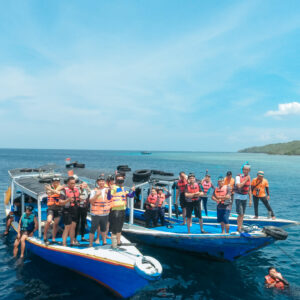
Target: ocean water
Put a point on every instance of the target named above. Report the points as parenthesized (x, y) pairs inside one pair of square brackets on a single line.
[(184, 276)]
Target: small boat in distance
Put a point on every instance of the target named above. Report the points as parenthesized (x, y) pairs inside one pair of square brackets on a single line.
[(146, 153)]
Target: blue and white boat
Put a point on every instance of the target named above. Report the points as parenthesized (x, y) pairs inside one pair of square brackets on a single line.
[(123, 270)]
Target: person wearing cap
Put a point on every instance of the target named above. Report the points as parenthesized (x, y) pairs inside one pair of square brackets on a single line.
[(260, 191), (84, 194), (242, 192), (69, 199), (100, 205), (222, 196), (28, 224), (118, 206), (205, 186), (180, 190), (192, 194), (228, 180), (54, 210)]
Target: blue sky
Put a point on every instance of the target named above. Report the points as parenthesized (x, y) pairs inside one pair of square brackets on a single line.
[(154, 75)]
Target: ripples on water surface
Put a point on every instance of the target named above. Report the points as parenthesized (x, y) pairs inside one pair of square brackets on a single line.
[(184, 276)]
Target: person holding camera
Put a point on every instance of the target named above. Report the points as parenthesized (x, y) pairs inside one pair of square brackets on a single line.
[(260, 191), (222, 196)]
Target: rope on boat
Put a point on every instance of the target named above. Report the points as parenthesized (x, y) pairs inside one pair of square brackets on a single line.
[(289, 256)]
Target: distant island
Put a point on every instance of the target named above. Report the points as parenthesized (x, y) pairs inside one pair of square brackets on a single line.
[(290, 148)]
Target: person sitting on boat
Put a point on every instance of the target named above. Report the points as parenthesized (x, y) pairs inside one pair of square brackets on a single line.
[(161, 201), (180, 193), (14, 214), (118, 207), (54, 210), (192, 194), (151, 212), (100, 208), (84, 194), (275, 279), (228, 180), (222, 196), (260, 191), (205, 186), (28, 224), (242, 192), (69, 199)]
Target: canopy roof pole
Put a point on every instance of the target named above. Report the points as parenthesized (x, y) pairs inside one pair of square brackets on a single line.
[(142, 198), (131, 210), (23, 202), (39, 215), (170, 201)]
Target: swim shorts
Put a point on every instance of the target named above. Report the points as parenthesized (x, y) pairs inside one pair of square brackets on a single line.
[(99, 221), (117, 219), (240, 206), (54, 210), (223, 215), (193, 206)]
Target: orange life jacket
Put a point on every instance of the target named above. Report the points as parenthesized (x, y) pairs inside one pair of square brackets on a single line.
[(101, 206), (279, 284), (72, 194), (245, 189), (119, 198), (192, 189), (152, 199), (229, 182), (53, 199), (221, 192), (181, 185), (160, 199)]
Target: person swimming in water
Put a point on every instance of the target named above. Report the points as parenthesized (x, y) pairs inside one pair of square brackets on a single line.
[(275, 279)]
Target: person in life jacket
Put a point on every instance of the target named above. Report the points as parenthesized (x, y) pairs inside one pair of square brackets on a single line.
[(118, 206), (161, 199), (84, 194), (222, 196), (180, 193), (260, 191), (69, 199), (54, 210), (100, 205), (151, 212), (228, 180), (275, 279), (28, 224), (192, 194), (14, 214), (206, 185), (242, 192)]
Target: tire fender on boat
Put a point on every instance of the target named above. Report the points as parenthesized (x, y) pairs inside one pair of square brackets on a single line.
[(275, 232), (148, 267)]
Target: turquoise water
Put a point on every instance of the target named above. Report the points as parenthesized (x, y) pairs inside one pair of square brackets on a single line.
[(185, 276)]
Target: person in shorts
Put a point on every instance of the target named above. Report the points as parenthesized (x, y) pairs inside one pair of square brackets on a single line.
[(100, 208), (69, 199), (192, 194), (54, 210), (14, 214), (28, 224), (242, 192), (222, 196), (180, 190)]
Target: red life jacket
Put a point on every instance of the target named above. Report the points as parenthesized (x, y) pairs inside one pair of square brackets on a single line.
[(205, 186), (160, 199), (245, 189), (192, 189), (181, 185), (221, 192), (72, 194), (152, 199), (279, 284), (53, 199), (101, 206)]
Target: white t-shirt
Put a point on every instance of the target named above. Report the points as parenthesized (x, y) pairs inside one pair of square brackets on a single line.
[(240, 196)]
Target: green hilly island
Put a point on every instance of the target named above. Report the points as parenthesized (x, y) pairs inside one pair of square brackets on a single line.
[(290, 148)]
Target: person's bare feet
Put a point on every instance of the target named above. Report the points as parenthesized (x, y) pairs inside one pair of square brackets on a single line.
[(255, 217)]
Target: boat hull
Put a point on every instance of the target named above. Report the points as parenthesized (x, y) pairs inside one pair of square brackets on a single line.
[(121, 279), (223, 248)]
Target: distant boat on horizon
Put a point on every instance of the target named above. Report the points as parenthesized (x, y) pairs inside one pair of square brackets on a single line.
[(146, 153)]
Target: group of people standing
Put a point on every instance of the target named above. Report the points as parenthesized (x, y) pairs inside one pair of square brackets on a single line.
[(191, 193), (107, 204)]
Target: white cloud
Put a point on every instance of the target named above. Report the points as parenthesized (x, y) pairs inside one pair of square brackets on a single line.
[(284, 109)]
